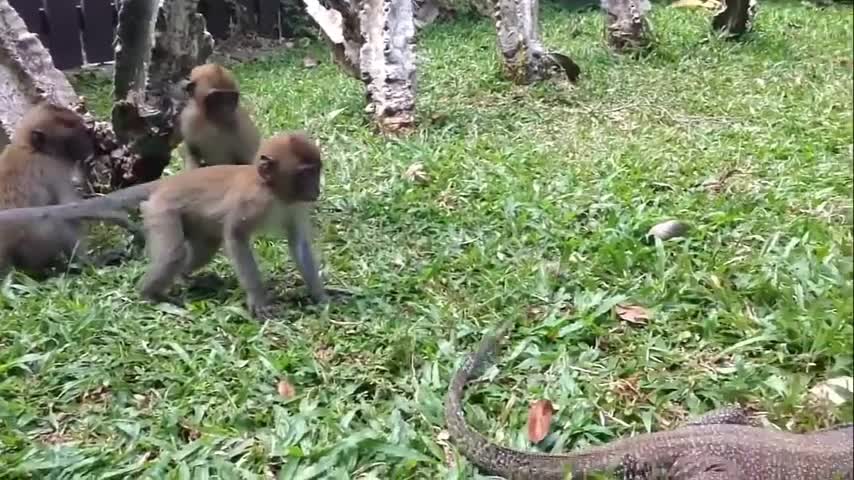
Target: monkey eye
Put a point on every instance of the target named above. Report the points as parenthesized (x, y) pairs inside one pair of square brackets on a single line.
[(266, 158)]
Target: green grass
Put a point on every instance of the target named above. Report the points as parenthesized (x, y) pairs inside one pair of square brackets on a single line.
[(535, 211)]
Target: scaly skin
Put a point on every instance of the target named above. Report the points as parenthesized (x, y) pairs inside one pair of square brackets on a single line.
[(721, 445)]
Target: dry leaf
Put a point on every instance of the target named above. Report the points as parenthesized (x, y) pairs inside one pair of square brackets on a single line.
[(309, 62), (286, 390), (443, 439), (668, 229), (632, 313), (416, 173), (539, 419)]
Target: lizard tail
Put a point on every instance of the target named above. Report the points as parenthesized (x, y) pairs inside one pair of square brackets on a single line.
[(487, 455), (474, 446)]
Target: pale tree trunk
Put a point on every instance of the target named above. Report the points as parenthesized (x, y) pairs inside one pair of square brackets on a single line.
[(158, 42), (388, 62), (525, 60), (735, 17), (626, 25), (373, 40), (342, 31)]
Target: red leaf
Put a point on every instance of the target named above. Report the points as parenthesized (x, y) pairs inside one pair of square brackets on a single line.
[(539, 419), (285, 389)]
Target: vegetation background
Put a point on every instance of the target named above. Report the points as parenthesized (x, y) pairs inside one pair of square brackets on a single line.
[(527, 203)]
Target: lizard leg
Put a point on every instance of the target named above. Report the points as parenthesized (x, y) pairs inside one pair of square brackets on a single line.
[(733, 415), (632, 468), (702, 466)]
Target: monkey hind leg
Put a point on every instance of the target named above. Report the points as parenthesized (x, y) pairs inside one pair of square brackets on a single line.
[(167, 251), (43, 247), (201, 251)]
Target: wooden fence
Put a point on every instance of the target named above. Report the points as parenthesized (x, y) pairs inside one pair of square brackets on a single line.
[(82, 31)]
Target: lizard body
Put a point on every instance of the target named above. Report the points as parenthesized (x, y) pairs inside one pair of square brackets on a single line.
[(721, 445)]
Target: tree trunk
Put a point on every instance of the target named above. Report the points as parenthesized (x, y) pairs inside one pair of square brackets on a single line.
[(27, 73), (28, 76), (341, 29), (626, 26), (525, 59), (158, 42), (373, 41), (388, 62), (735, 17)]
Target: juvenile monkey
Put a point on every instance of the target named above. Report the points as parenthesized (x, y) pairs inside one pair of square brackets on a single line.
[(36, 170), (190, 215), (216, 129)]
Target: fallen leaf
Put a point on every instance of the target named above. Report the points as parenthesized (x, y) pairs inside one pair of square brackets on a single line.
[(285, 389), (416, 173), (632, 313), (309, 62), (717, 184), (668, 229), (539, 419), (334, 113), (443, 439), (835, 390)]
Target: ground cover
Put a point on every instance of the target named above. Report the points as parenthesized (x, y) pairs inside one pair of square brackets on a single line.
[(533, 206)]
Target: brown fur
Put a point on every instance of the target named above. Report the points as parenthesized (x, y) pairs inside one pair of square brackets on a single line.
[(190, 215), (36, 170), (216, 129)]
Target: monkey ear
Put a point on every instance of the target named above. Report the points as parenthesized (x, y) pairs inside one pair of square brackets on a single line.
[(222, 100), (37, 139), (190, 88), (266, 168)]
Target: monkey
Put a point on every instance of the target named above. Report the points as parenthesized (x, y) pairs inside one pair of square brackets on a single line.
[(36, 169), (215, 128), (189, 216)]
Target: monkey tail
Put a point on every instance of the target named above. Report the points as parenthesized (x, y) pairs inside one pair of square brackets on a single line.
[(123, 199), (98, 208)]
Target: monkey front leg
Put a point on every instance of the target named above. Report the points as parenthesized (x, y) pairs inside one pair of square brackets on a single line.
[(239, 250), (192, 156), (298, 231)]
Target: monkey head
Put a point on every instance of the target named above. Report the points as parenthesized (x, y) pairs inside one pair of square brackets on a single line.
[(214, 90), (56, 131), (290, 165)]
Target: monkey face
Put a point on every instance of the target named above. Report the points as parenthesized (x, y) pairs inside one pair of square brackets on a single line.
[(79, 145), (290, 178), (306, 184), (62, 134)]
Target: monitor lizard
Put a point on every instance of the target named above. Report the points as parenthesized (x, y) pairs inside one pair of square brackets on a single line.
[(721, 445)]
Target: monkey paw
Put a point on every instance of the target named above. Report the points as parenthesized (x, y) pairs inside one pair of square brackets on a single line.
[(112, 257), (205, 281), (264, 311)]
